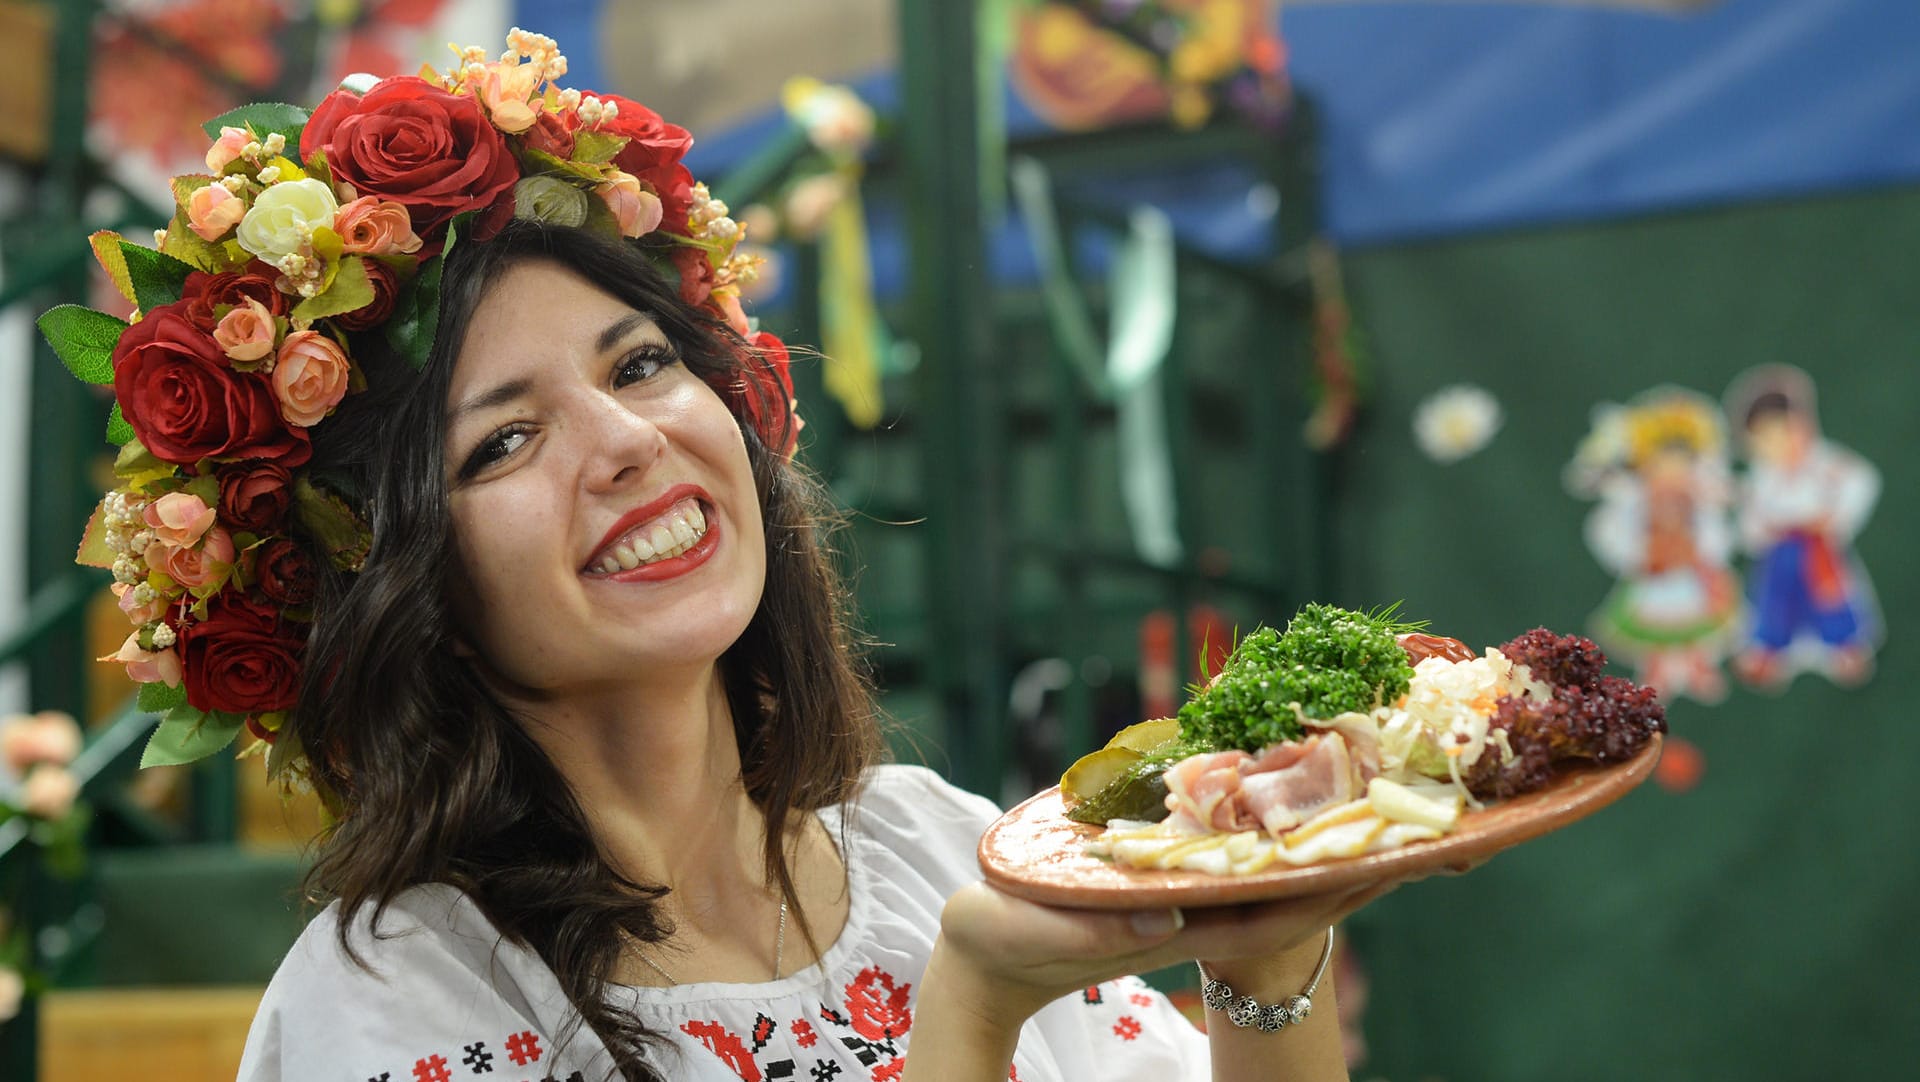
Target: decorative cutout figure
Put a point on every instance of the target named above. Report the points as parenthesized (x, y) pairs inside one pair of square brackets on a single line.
[(1659, 468), (1803, 499)]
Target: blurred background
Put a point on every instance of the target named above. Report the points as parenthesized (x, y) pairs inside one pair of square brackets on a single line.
[(1142, 322)]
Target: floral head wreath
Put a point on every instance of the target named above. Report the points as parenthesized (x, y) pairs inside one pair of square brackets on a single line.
[(310, 234)]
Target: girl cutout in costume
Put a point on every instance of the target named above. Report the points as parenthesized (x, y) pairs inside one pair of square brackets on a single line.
[(1658, 467), (1803, 499)]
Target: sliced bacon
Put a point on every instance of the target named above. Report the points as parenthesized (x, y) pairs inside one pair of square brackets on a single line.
[(1283, 786), (1200, 784), (1283, 799), (1362, 735)]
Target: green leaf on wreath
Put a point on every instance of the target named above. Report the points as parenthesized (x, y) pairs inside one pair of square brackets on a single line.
[(186, 735), (327, 519), (84, 340), (351, 289), (157, 278), (264, 118), (184, 244), (158, 698), (118, 430), (416, 310), (536, 162), (597, 148)]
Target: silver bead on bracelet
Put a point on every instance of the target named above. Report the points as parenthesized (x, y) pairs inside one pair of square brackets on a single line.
[(1247, 1012)]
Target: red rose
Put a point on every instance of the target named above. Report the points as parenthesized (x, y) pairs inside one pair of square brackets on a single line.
[(879, 1010), (254, 496), (285, 572), (696, 273), (765, 394), (386, 286), (208, 296), (186, 403), (551, 135), (410, 141), (243, 658), (653, 154)]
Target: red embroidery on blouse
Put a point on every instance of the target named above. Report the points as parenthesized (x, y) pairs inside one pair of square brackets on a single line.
[(803, 1033), (523, 1048), (879, 1009), (432, 1069), (726, 1045), (890, 1071), (1126, 1028), (1141, 999)]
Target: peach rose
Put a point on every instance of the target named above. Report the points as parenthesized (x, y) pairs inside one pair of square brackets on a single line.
[(49, 792), (376, 227), (179, 519), (195, 568), (47, 737), (213, 210), (148, 667), (637, 209), (137, 612), (506, 92), (247, 332), (227, 148), (310, 377)]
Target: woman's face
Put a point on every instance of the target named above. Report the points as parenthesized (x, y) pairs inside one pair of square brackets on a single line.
[(604, 512)]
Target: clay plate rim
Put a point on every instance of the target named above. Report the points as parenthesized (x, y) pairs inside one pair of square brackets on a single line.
[(1035, 852)]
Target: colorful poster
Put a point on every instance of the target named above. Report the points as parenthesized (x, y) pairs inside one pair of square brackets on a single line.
[(1658, 469), (1802, 500)]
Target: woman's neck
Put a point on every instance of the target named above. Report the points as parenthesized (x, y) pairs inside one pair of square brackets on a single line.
[(656, 769)]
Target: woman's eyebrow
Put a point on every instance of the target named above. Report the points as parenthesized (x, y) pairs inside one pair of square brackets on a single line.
[(620, 328), (498, 396)]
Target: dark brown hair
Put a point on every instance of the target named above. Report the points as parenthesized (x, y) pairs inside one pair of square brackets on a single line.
[(436, 780)]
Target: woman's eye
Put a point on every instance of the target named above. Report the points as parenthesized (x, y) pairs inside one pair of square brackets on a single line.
[(643, 363), (495, 447)]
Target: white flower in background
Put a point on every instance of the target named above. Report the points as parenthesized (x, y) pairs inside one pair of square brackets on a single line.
[(1456, 421), (12, 988)]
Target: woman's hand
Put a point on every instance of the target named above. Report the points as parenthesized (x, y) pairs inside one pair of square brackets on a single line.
[(1006, 958)]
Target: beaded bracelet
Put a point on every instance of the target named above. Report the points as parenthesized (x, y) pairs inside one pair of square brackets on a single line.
[(1245, 1011)]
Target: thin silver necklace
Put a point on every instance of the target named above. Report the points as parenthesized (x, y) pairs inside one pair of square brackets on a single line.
[(779, 951)]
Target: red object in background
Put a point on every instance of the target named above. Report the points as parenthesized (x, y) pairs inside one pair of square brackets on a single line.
[(1681, 765), (174, 68), (1161, 673)]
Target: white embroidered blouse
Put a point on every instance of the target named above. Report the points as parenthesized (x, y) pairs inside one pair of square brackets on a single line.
[(451, 1001)]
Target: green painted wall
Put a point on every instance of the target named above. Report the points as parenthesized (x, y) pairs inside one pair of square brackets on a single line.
[(1759, 926)]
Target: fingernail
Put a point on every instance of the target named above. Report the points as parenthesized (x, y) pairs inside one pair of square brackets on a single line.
[(1159, 922)]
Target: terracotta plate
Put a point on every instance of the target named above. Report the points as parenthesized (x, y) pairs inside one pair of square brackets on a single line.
[(1037, 853)]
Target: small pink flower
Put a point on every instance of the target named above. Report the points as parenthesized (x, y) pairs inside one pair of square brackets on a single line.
[(227, 148), (195, 568), (154, 609), (213, 210), (729, 304), (310, 377), (49, 792), (506, 91), (148, 667), (179, 519), (375, 227), (637, 209), (47, 737), (247, 333)]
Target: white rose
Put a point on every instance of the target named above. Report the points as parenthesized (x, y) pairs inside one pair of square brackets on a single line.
[(283, 218)]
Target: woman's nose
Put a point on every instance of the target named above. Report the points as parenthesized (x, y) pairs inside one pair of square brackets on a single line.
[(621, 445)]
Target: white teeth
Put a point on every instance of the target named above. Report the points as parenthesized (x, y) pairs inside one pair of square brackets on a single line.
[(679, 531)]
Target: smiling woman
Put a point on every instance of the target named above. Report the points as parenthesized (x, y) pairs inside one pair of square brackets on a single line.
[(470, 489)]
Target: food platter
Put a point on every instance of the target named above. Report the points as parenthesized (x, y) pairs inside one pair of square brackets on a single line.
[(1035, 852)]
